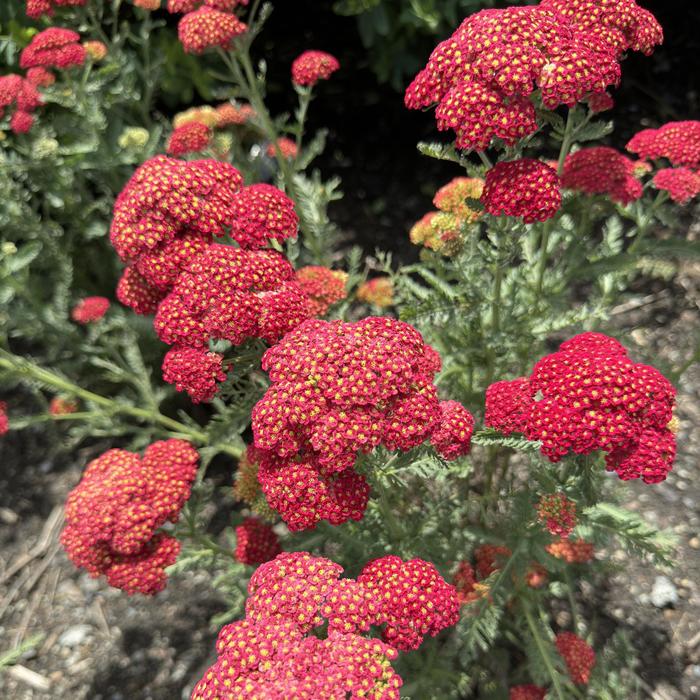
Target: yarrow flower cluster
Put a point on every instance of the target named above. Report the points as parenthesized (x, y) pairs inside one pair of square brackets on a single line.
[(602, 170), (272, 653), (527, 692), (256, 542), (339, 389), (312, 66), (194, 370), (378, 292), (591, 396), (557, 513), (578, 656), (481, 78), (524, 188), (571, 551), (192, 137), (90, 309), (677, 142), (4, 420), (40, 77), (22, 93), (114, 513), (441, 230), (54, 47), (61, 407), (96, 50), (37, 8), (323, 286), (288, 149), (682, 184), (208, 28)]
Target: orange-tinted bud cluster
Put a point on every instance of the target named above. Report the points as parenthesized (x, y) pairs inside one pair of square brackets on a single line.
[(182, 6), (90, 309), (571, 551), (602, 170), (527, 692), (578, 656), (61, 407), (312, 66), (194, 370), (96, 50), (22, 92), (592, 396), (149, 5), (229, 114), (339, 389), (524, 188), (323, 286), (378, 292), (482, 77), (37, 8), (113, 514), (191, 137), (682, 184), (678, 142), (287, 148), (557, 513), (208, 28), (256, 542), (54, 47)]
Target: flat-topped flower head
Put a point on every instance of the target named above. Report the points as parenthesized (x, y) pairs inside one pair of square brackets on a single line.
[(571, 551), (37, 8), (229, 114), (54, 47), (682, 184), (113, 514), (378, 292), (678, 142), (578, 656), (452, 197), (194, 370), (323, 286), (208, 28), (190, 137), (184, 6), (527, 692), (508, 405), (40, 77), (90, 310), (288, 149), (204, 115), (602, 170), (22, 94), (311, 66), (452, 437), (557, 513), (525, 188), (256, 542), (96, 50)]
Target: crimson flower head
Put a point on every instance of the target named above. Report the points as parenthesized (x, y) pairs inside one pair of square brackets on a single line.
[(229, 114), (527, 692), (452, 438), (323, 286), (4, 421), (54, 47), (600, 102), (287, 148), (135, 292), (558, 514), (90, 309), (207, 28), (114, 514), (40, 77), (183, 6), (37, 8), (578, 656), (682, 184), (192, 137), (678, 142), (256, 542), (22, 93), (194, 370), (311, 66), (602, 170), (524, 188), (571, 551), (60, 406)]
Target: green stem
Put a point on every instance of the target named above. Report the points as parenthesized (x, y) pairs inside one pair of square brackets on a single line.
[(542, 262), (572, 600), (305, 96), (556, 682), (566, 142)]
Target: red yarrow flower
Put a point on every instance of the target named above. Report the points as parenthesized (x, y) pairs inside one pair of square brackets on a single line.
[(114, 513), (61, 407), (256, 542), (311, 66), (602, 170), (452, 437), (14, 89), (192, 137), (287, 148), (207, 28), (37, 8), (195, 371), (378, 292), (228, 114), (137, 293), (54, 47), (4, 420), (21, 122), (323, 286), (524, 188), (578, 656), (527, 692), (90, 309), (571, 551), (678, 142), (682, 184), (96, 50), (182, 6), (508, 405), (557, 513), (600, 102), (40, 77)]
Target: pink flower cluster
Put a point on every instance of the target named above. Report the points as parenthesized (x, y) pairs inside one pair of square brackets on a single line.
[(339, 389), (90, 310), (207, 24), (311, 66), (578, 656), (256, 542), (482, 77), (4, 420), (37, 8), (54, 47), (164, 223), (591, 396), (192, 137), (524, 188), (323, 286), (602, 170), (113, 514), (677, 142), (273, 652), (14, 89)]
